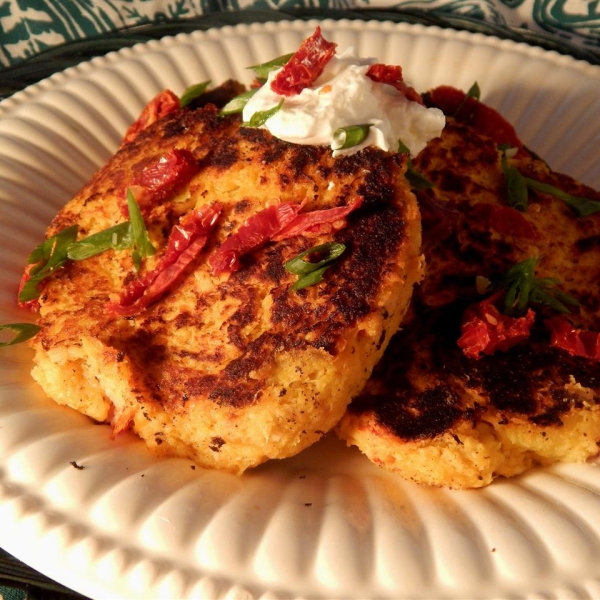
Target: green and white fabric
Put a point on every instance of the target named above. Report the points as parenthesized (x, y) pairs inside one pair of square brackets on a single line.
[(28, 27)]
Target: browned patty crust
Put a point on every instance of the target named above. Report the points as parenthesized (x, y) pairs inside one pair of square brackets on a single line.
[(440, 418), (232, 369)]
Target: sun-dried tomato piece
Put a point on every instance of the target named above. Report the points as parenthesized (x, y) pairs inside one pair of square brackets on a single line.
[(186, 241), (454, 103), (173, 167), (276, 223), (254, 233), (486, 330), (319, 222), (577, 342), (305, 66), (504, 219), (159, 178), (392, 75), (162, 104), (34, 304)]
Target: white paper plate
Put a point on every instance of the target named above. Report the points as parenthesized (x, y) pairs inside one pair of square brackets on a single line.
[(326, 524)]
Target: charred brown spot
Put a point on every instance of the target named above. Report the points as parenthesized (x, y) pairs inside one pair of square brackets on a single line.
[(226, 156), (216, 443), (414, 416), (588, 244)]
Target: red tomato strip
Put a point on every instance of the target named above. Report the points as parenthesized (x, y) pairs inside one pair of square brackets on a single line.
[(254, 233), (471, 111), (161, 105), (486, 330), (277, 223), (392, 75), (577, 342), (159, 178), (319, 222), (305, 66), (185, 243)]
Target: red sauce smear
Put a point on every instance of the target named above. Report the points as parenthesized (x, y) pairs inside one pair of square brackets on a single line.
[(186, 241), (161, 105), (577, 342), (305, 66), (486, 330)]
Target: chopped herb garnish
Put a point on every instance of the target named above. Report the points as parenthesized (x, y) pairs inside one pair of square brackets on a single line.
[(522, 288), (55, 251), (50, 255), (193, 92), (141, 245), (403, 148), (236, 105), (518, 186), (517, 195), (310, 273), (22, 331), (353, 135), (474, 92), (262, 71), (582, 206), (117, 237), (416, 180), (262, 116)]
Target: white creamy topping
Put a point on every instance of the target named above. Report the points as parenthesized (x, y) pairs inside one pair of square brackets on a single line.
[(343, 96)]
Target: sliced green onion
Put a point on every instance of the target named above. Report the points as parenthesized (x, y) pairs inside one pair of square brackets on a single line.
[(353, 135), (141, 246), (117, 237), (262, 116), (517, 186), (582, 206), (51, 248), (22, 331), (236, 105), (262, 71), (523, 287), (193, 92), (403, 148), (311, 273), (508, 150), (312, 278), (416, 180), (517, 195), (474, 92), (50, 255)]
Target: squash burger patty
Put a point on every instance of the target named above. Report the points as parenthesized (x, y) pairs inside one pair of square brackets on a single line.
[(201, 340)]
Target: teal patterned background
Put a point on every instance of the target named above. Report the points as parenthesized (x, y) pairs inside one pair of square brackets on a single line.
[(28, 27)]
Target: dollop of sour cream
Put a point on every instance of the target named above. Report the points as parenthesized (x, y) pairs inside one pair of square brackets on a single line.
[(344, 96)]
